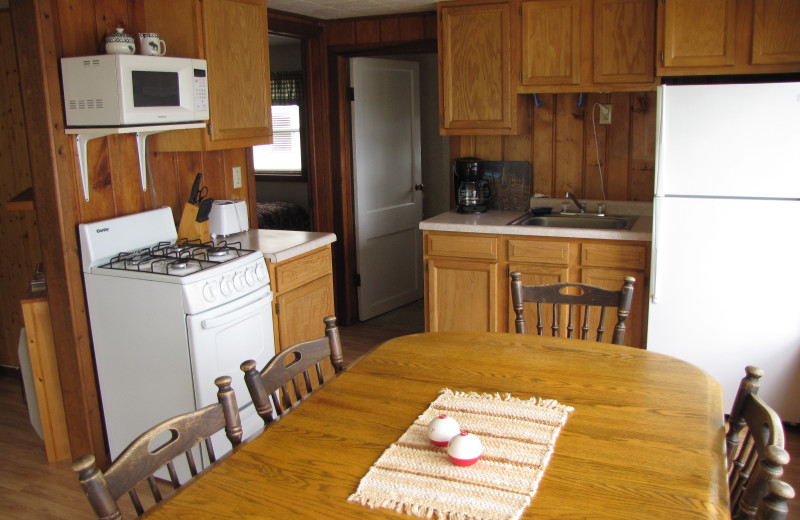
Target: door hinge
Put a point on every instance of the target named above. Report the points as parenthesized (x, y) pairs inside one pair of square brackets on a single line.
[(210, 128), (508, 272), (662, 57), (357, 280), (351, 94), (277, 308)]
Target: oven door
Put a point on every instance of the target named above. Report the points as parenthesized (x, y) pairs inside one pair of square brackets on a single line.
[(222, 338)]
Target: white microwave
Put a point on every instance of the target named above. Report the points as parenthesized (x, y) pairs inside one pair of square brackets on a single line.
[(129, 89)]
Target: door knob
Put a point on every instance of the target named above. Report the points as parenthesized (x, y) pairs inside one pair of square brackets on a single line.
[(419, 187)]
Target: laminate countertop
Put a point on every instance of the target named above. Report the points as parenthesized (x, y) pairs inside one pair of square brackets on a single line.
[(279, 245), (495, 222)]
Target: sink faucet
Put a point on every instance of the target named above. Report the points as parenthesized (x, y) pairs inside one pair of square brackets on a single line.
[(581, 205)]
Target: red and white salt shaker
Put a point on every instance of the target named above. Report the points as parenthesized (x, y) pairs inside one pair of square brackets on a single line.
[(441, 429), (465, 449)]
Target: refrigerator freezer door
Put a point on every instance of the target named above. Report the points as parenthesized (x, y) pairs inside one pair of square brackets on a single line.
[(726, 277), (729, 140)]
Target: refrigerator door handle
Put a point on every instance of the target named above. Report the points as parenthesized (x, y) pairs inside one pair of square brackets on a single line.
[(657, 223)]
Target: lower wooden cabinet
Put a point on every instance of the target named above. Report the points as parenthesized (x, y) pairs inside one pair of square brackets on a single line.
[(303, 296), (467, 277), (461, 295)]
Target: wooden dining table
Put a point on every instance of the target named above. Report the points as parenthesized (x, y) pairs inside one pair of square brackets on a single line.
[(645, 439)]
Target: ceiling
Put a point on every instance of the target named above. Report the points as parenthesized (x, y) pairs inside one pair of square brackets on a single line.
[(333, 9)]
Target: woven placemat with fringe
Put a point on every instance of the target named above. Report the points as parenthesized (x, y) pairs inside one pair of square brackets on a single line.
[(416, 477)]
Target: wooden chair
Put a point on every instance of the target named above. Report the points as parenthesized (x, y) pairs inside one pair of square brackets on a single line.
[(590, 297), (140, 461), (755, 463), (279, 381)]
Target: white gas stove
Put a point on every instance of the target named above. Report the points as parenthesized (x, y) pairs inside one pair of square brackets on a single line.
[(167, 318)]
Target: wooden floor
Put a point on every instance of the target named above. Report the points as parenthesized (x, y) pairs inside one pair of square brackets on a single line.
[(32, 489)]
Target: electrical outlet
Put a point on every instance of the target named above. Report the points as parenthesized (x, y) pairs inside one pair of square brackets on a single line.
[(237, 177), (605, 114)]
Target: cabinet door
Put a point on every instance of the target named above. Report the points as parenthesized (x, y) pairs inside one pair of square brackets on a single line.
[(300, 312), (231, 35), (697, 33), (475, 68), (637, 319), (462, 295), (624, 43), (776, 37), (551, 42), (537, 274)]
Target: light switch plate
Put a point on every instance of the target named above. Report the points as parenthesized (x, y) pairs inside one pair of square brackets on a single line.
[(237, 177)]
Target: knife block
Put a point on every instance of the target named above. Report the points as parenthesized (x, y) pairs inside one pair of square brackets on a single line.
[(190, 228)]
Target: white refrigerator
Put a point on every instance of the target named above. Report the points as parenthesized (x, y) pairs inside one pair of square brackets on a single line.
[(725, 274)]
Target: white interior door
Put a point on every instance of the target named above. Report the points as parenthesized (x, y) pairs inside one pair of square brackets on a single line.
[(386, 178)]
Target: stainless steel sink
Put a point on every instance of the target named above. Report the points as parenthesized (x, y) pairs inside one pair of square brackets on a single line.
[(576, 220)]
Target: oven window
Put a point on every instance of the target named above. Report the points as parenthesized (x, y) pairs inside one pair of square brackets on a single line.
[(155, 89)]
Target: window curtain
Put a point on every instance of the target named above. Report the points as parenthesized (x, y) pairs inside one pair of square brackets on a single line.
[(287, 88)]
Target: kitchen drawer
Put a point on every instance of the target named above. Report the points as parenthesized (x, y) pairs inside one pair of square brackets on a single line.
[(613, 255), (462, 246), (301, 270), (538, 251)]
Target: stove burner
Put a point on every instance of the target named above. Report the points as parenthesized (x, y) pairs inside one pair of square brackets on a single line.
[(178, 259)]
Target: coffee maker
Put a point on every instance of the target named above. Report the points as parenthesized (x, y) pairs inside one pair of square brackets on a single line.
[(472, 189)]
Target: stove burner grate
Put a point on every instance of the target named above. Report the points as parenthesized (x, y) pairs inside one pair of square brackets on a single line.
[(178, 258)]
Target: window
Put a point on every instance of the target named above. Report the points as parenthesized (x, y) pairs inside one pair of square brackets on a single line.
[(284, 154), (284, 157)]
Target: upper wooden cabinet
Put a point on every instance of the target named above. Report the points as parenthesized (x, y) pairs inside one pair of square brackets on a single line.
[(728, 37), (475, 60), (232, 36), (586, 45), (551, 42)]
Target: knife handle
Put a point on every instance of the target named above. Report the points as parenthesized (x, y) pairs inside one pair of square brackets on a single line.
[(195, 189)]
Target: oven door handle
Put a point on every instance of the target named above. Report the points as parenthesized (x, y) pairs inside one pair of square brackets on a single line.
[(238, 315)]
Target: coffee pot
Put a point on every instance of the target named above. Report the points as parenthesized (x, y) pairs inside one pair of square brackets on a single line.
[(472, 190)]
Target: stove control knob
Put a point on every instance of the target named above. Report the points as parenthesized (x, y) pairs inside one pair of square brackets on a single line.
[(225, 286), (261, 271), (250, 275), (238, 281), (210, 292)]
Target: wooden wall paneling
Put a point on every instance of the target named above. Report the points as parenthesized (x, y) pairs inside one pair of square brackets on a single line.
[(36, 26), (390, 29), (101, 195), (542, 149), (618, 147), (213, 168), (568, 140), (125, 177), (518, 147), (163, 170), (489, 147), (591, 188), (368, 30), (18, 228), (341, 32), (642, 146), (412, 28), (79, 36)]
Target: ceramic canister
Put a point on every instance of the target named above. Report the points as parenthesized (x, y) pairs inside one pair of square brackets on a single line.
[(120, 43)]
